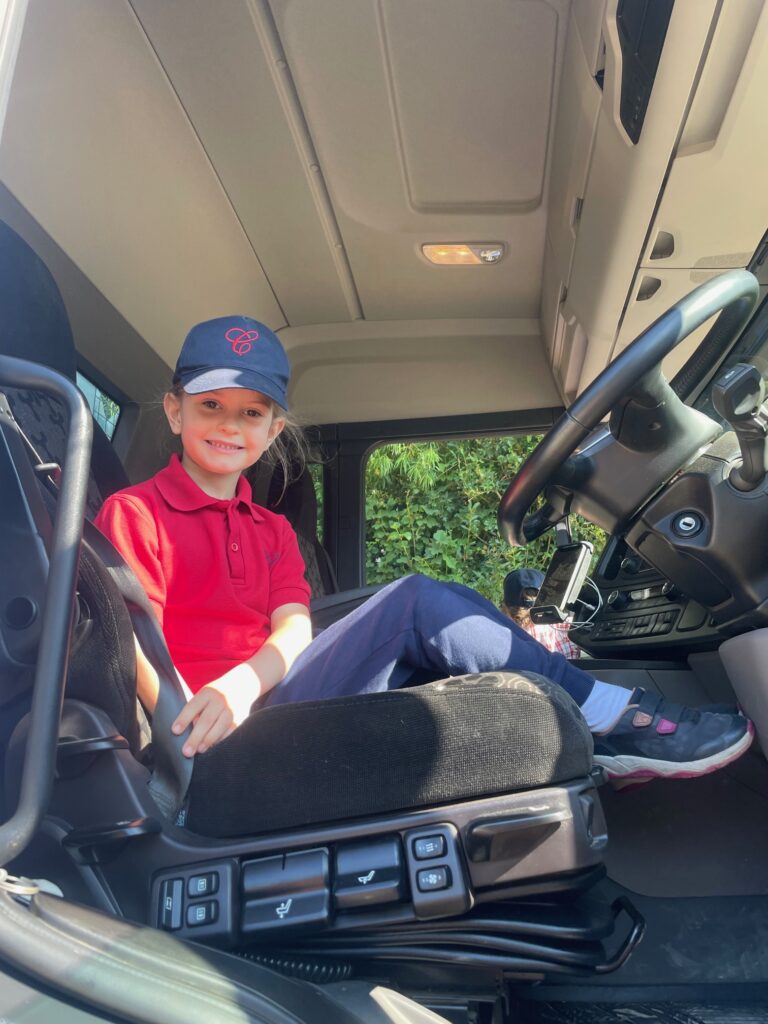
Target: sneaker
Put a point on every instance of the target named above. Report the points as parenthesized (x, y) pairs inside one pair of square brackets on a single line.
[(653, 739), (720, 709)]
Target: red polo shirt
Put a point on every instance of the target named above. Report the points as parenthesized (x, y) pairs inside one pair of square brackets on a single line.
[(214, 570)]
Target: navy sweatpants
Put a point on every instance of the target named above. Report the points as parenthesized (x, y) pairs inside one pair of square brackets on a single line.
[(417, 625)]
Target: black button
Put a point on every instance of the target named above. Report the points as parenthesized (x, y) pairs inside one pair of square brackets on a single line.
[(362, 864), (265, 875), (369, 872), (296, 872), (431, 879), (429, 846), (203, 885), (693, 617), (665, 621), (202, 913), (643, 625), (171, 897), (286, 911)]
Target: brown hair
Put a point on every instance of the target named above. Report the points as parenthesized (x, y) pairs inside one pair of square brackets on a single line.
[(517, 613)]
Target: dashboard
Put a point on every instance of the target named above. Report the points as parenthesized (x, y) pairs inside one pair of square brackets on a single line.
[(641, 609)]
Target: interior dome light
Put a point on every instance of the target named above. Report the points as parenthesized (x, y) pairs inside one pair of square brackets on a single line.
[(453, 254)]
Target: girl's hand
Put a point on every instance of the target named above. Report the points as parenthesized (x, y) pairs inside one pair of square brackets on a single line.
[(217, 709), (211, 717)]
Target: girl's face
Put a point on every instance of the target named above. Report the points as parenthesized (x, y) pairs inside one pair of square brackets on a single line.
[(223, 432)]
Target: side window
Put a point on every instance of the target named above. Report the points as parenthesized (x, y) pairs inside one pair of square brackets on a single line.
[(106, 411), (316, 472), (431, 508)]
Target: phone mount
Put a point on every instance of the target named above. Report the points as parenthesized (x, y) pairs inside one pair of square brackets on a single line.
[(563, 535), (738, 397)]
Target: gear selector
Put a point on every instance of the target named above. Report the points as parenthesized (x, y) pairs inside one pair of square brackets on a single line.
[(738, 397)]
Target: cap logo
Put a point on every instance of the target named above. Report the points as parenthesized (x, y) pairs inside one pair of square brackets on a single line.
[(241, 340)]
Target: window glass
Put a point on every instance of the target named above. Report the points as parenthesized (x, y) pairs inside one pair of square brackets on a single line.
[(316, 472), (431, 508), (106, 410)]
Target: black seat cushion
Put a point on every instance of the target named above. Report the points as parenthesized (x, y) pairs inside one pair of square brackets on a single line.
[(319, 761)]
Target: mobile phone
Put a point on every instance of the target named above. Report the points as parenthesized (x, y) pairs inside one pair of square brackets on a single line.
[(562, 583)]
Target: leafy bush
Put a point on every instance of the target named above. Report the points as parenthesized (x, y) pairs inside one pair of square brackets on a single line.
[(431, 508)]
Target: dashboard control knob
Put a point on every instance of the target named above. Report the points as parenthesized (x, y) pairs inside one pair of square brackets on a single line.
[(670, 591), (617, 599), (631, 564)]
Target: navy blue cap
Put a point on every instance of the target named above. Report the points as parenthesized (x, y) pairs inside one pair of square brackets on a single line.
[(517, 582), (233, 352)]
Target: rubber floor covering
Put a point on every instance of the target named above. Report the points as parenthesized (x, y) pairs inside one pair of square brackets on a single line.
[(646, 1013)]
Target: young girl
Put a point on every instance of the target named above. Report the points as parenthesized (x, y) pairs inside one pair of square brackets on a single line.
[(226, 580)]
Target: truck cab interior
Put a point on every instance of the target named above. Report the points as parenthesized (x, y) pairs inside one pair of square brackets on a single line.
[(465, 219)]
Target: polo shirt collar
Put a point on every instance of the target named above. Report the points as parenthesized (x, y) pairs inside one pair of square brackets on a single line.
[(182, 493)]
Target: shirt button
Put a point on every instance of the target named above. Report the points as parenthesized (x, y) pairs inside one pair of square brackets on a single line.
[(235, 546)]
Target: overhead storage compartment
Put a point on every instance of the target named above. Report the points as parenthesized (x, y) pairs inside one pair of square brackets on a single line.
[(714, 208), (590, 276)]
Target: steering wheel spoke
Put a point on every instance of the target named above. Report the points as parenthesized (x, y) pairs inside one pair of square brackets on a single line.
[(537, 523), (653, 432)]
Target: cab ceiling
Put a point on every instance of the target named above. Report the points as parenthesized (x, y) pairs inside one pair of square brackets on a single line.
[(287, 160)]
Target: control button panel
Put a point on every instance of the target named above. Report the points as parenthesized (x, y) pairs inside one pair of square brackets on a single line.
[(416, 873), (648, 624), (196, 900), (286, 891), (369, 872), (439, 887)]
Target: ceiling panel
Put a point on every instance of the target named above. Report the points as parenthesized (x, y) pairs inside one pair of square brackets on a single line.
[(224, 72), (98, 149), (409, 159), (368, 371), (471, 99)]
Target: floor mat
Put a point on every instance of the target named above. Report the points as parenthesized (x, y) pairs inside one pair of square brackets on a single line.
[(692, 837)]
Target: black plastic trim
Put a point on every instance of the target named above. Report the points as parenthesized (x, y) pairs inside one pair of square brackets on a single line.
[(53, 654)]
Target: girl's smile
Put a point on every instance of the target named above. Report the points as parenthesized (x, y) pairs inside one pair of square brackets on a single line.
[(223, 433), (222, 446)]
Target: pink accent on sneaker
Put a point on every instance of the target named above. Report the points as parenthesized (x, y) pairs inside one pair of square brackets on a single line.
[(641, 719), (665, 727)]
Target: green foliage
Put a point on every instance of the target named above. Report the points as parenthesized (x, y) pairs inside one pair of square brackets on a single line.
[(431, 508), (316, 472), (106, 410)]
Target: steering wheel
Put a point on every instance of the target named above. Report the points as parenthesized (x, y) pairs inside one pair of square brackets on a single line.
[(646, 416)]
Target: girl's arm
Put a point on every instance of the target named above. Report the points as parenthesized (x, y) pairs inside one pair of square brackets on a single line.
[(147, 682), (220, 706)]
